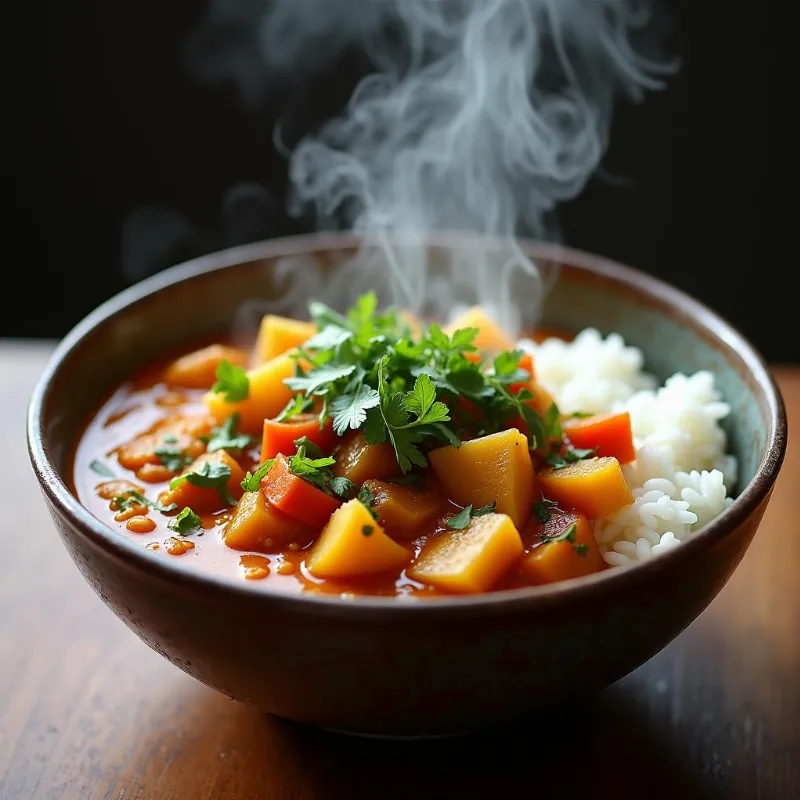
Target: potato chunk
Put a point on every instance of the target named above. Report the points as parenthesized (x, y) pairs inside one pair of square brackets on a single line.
[(256, 525), (491, 337), (266, 398), (594, 486), (568, 550), (495, 468), (198, 370), (404, 511), (277, 335), (359, 461), (471, 560), (353, 544)]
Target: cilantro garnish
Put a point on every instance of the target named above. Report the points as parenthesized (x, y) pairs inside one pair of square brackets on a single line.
[(232, 381), (170, 438), (581, 415), (568, 535), (367, 499), (130, 499), (464, 517), (101, 469), (173, 458), (225, 437), (342, 487), (299, 404), (370, 373), (185, 523), (314, 470), (367, 530), (542, 508), (569, 456), (252, 480), (211, 475)]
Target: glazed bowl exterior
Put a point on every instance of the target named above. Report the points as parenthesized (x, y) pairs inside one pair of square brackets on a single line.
[(379, 665)]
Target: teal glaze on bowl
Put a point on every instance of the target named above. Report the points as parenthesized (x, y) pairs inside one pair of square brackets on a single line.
[(381, 666)]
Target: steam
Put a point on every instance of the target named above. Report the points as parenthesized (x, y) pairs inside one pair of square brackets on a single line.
[(480, 116)]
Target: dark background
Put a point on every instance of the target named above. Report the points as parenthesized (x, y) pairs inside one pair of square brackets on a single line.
[(104, 120)]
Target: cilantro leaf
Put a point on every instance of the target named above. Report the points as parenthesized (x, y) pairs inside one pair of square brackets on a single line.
[(101, 469), (552, 422), (324, 315), (314, 470), (225, 437), (211, 475), (316, 381), (342, 487), (350, 410), (542, 508), (232, 381), (173, 458), (462, 520), (367, 499), (299, 404), (170, 438), (570, 456), (420, 399), (185, 523), (367, 530), (130, 499), (252, 481), (568, 535), (506, 363), (330, 337), (581, 415)]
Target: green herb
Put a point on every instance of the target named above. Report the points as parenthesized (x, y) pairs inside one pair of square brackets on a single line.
[(131, 499), (101, 469), (314, 470), (552, 422), (367, 530), (252, 481), (367, 499), (299, 404), (462, 520), (542, 508), (570, 456), (409, 479), (371, 374), (342, 487), (211, 475), (185, 523), (232, 381), (568, 535), (581, 415), (170, 438), (225, 437), (173, 458)]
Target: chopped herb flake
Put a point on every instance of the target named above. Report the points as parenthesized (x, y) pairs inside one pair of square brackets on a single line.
[(570, 456), (225, 437), (568, 535), (211, 475), (542, 509), (101, 469), (132, 499), (367, 530), (173, 458), (462, 520), (252, 481), (232, 381), (185, 523)]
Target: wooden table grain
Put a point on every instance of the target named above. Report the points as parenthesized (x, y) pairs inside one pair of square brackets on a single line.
[(87, 711)]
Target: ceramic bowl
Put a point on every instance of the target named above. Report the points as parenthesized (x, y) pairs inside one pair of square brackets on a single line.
[(375, 665)]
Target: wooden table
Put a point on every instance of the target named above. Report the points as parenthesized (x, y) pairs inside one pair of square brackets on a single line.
[(87, 711)]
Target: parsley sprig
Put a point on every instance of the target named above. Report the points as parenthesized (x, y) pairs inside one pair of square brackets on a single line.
[(133, 499), (225, 436), (367, 371), (211, 475)]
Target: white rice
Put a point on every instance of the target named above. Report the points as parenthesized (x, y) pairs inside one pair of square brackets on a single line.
[(681, 471)]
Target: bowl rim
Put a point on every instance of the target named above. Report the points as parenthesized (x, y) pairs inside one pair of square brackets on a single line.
[(654, 289)]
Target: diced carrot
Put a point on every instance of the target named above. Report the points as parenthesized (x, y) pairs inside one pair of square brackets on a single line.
[(595, 486), (266, 398), (359, 461), (526, 363), (354, 544), (256, 525), (116, 488), (470, 560), (201, 498), (277, 335), (403, 510), (610, 434), (577, 555), (491, 469), (295, 497), (491, 337), (198, 370), (279, 437)]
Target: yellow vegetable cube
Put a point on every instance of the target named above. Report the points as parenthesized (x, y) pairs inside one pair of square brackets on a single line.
[(256, 525), (352, 544), (266, 398), (491, 337), (278, 335), (471, 560), (595, 486), (492, 469)]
